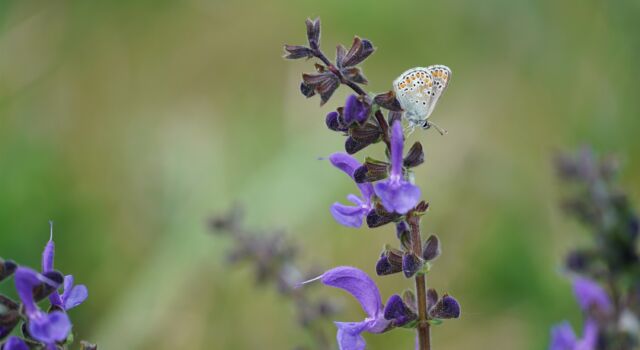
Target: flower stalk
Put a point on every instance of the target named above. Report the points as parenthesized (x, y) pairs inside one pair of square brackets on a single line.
[(423, 329), (388, 195)]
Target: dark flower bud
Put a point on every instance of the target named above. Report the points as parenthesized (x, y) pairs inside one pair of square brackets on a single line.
[(355, 110), (415, 156), (422, 207), (411, 264), (390, 262), (404, 235), (578, 260), (367, 133), (352, 146), (325, 84), (44, 289), (333, 122), (431, 248), (359, 51), (398, 312), (9, 315), (432, 298), (372, 170), (296, 51), (85, 345), (388, 101), (377, 218), (7, 268), (307, 90), (410, 299), (355, 75), (447, 307), (313, 32)]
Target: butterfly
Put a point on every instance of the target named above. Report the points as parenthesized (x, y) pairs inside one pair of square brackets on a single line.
[(418, 90)]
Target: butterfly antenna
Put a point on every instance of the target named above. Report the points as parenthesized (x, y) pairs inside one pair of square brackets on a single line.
[(440, 130)]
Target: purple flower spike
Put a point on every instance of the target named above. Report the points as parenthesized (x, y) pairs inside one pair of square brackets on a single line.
[(15, 343), (362, 287), (563, 337), (346, 215), (590, 294), (396, 194), (47, 328), (355, 111)]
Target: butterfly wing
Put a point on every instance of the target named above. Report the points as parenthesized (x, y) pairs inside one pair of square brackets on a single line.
[(419, 89)]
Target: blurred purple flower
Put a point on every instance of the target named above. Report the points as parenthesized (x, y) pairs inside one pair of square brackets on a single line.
[(563, 337), (396, 194), (590, 294), (15, 343), (346, 215), (362, 287), (72, 296), (46, 328)]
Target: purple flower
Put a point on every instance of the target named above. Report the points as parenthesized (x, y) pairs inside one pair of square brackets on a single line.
[(46, 328), (591, 295), (355, 111), (396, 194), (72, 296), (15, 343), (358, 284), (353, 215), (563, 337)]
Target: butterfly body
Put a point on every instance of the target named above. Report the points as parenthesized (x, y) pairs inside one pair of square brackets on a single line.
[(419, 89)]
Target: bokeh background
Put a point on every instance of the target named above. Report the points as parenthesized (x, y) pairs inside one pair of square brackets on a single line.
[(129, 123)]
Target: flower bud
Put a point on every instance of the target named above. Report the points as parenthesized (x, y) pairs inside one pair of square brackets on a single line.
[(431, 248), (411, 264), (415, 156), (9, 315), (398, 312), (388, 101), (7, 268), (447, 307)]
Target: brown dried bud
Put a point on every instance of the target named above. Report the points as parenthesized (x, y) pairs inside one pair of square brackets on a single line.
[(415, 156), (360, 50), (313, 32), (388, 101), (325, 84), (296, 51)]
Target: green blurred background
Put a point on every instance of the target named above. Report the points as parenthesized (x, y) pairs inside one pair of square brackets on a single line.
[(130, 122)]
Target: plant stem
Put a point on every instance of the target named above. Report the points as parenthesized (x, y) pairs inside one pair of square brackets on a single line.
[(423, 329)]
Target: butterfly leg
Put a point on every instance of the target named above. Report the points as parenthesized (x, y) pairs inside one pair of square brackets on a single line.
[(428, 124)]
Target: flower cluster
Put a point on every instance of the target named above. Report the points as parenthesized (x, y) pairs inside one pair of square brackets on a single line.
[(49, 330), (605, 274), (273, 258), (388, 195)]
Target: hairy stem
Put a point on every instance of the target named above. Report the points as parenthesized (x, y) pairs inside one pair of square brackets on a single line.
[(423, 329)]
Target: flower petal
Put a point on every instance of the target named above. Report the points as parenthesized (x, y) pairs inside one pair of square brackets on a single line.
[(74, 297), (26, 280), (349, 337), (397, 197), (344, 162), (15, 343), (358, 284), (562, 337), (348, 215), (591, 294), (50, 328), (590, 337), (397, 143)]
